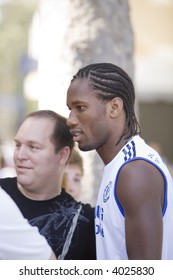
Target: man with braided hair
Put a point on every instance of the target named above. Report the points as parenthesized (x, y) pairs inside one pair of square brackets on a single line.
[(133, 217)]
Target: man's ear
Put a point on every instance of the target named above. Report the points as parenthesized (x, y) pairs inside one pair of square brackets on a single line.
[(115, 107), (64, 154)]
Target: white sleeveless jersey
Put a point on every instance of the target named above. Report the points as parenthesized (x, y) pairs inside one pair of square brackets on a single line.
[(109, 215)]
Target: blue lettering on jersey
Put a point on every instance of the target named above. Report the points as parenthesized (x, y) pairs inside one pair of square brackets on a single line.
[(99, 214), (99, 230)]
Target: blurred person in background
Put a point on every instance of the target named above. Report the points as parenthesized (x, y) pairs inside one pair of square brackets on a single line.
[(43, 145), (72, 180)]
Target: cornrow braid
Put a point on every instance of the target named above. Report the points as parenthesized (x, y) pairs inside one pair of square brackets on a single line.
[(109, 81)]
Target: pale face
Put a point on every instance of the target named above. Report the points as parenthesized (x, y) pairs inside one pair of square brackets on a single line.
[(38, 167), (73, 180)]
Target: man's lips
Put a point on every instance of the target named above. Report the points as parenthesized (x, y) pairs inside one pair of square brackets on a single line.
[(21, 167), (76, 133)]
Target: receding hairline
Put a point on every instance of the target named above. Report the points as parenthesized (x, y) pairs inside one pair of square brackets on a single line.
[(45, 114)]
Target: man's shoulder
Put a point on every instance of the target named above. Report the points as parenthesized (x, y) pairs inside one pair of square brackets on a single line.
[(8, 182), (86, 209)]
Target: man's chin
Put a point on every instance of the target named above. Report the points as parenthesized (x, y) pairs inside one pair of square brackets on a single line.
[(85, 147), (23, 180)]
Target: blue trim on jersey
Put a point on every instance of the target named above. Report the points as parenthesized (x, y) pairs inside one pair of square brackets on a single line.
[(165, 185)]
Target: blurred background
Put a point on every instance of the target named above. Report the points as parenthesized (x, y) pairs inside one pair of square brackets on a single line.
[(44, 42)]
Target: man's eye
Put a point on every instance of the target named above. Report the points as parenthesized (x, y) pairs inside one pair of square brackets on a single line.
[(81, 108), (17, 145), (33, 147)]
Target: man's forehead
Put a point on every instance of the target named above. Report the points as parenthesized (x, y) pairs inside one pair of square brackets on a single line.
[(34, 127), (80, 84)]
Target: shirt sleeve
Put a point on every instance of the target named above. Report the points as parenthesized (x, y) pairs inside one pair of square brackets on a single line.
[(18, 239)]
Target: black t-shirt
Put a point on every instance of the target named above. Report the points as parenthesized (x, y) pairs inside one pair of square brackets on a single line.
[(54, 218)]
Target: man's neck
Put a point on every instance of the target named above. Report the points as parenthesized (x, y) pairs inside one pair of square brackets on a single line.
[(36, 195)]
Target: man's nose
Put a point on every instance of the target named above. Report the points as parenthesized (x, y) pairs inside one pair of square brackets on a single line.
[(72, 120)]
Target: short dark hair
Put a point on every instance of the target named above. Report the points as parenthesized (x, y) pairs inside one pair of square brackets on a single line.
[(61, 135), (109, 81)]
